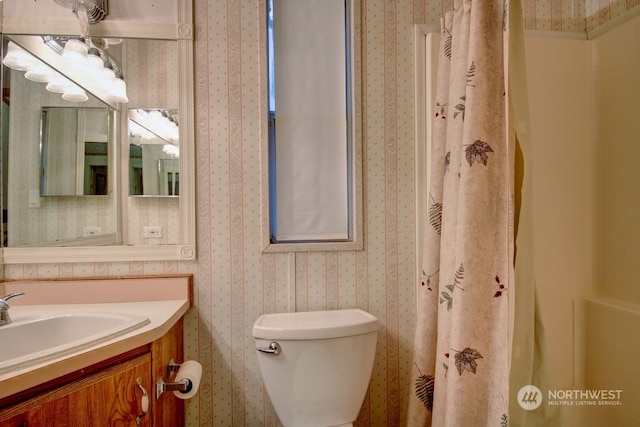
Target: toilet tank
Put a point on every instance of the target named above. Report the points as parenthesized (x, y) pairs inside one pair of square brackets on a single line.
[(323, 369)]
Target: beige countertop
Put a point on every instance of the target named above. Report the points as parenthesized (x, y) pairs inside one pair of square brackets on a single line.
[(163, 300)]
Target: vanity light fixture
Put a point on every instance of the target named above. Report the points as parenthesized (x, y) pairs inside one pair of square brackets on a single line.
[(76, 55), (35, 70), (162, 123), (88, 57), (155, 126)]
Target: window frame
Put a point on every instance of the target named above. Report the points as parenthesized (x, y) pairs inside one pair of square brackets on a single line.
[(355, 129)]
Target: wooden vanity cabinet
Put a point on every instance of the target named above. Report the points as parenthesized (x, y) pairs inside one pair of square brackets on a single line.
[(107, 398), (106, 394)]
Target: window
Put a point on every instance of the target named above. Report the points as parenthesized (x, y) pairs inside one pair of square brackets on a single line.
[(313, 196)]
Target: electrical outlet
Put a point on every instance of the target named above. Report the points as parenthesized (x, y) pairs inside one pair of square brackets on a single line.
[(91, 231), (152, 232), (34, 198)]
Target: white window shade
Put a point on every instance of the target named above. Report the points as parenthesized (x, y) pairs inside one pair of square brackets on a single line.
[(311, 130)]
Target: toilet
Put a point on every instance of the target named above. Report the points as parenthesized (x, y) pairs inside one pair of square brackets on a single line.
[(316, 366)]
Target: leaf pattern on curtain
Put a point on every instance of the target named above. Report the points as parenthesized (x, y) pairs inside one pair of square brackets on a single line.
[(466, 360), (477, 152), (463, 321), (435, 215), (460, 108), (447, 294), (471, 73), (424, 390), (447, 44), (425, 279), (441, 111)]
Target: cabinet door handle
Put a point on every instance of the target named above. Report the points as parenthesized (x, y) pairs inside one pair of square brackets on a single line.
[(144, 402)]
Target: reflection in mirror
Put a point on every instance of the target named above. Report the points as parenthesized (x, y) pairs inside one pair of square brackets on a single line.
[(38, 121), (154, 168), (74, 151), (153, 84)]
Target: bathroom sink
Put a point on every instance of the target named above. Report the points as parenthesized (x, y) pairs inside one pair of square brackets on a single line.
[(35, 339)]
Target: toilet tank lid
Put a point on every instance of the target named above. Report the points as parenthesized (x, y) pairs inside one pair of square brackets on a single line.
[(315, 324)]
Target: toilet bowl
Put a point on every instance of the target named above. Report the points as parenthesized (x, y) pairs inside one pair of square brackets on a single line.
[(316, 366)]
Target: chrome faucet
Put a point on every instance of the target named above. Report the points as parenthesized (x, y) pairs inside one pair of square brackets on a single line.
[(5, 319)]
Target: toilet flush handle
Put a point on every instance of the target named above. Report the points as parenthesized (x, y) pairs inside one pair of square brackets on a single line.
[(274, 348)]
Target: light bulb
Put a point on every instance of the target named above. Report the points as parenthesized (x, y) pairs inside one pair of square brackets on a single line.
[(58, 84), (75, 53), (107, 75), (119, 91), (17, 58), (40, 72), (95, 62), (75, 93)]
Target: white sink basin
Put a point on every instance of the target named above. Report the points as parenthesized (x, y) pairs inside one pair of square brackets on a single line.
[(32, 340)]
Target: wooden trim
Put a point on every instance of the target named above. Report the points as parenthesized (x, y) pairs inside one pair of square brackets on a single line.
[(169, 347)]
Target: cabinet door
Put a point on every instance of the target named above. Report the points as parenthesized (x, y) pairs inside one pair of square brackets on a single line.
[(108, 398), (52, 413)]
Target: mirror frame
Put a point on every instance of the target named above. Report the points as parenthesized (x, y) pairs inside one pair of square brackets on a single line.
[(185, 250)]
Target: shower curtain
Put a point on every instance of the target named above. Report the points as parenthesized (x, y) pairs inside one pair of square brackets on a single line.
[(462, 348)]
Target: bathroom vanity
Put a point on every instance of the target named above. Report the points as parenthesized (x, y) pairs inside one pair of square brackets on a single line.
[(112, 382)]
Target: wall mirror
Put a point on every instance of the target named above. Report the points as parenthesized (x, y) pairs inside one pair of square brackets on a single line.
[(87, 177)]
